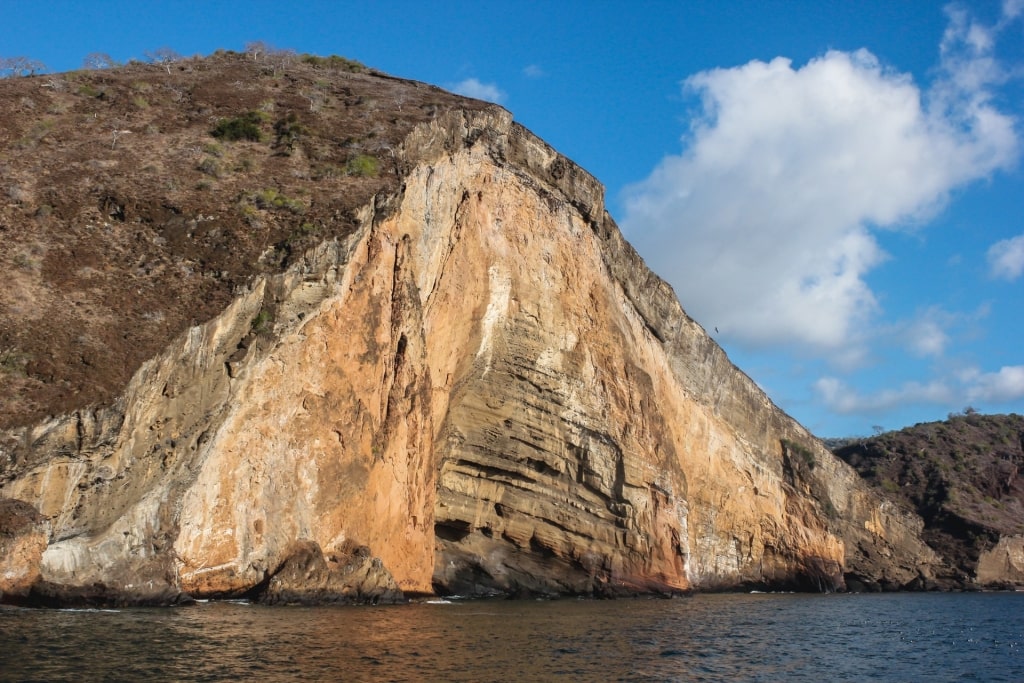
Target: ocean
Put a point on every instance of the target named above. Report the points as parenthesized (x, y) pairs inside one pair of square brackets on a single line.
[(729, 637)]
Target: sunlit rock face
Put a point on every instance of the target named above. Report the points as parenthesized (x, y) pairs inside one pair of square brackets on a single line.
[(1003, 564), (481, 390)]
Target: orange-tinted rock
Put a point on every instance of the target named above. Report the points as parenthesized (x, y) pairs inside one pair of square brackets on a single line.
[(485, 386), (22, 541)]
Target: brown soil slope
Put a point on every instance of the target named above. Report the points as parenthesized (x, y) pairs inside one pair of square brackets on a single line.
[(133, 201)]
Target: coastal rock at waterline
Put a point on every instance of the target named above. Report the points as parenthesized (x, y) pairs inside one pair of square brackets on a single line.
[(23, 537), (1003, 564), (482, 389), (350, 575)]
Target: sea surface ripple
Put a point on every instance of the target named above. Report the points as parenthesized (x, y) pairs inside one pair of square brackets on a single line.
[(736, 637)]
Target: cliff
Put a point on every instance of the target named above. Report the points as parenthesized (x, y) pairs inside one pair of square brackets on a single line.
[(449, 375)]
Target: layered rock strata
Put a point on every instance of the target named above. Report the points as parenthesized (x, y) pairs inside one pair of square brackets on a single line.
[(480, 390)]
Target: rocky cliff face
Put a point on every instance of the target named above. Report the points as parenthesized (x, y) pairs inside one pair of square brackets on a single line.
[(479, 389)]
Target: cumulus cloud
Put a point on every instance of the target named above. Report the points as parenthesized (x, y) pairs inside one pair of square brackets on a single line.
[(842, 399), (1012, 9), (926, 337), (1006, 258), (764, 223), (970, 386), (472, 87), (931, 330), (996, 387)]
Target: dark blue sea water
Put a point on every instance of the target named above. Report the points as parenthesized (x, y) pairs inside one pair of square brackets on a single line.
[(888, 637)]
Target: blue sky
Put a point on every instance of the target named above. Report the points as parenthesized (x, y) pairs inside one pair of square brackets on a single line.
[(836, 187)]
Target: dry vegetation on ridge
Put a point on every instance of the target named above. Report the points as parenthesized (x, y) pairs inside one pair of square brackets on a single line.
[(134, 200), (963, 476)]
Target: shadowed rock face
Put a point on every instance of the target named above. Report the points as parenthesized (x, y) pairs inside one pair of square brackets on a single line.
[(480, 388), (23, 537)]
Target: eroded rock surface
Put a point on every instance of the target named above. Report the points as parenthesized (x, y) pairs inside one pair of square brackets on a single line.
[(23, 537), (480, 389), (347, 575), (1004, 563)]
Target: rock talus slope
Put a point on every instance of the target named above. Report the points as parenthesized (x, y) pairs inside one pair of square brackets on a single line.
[(482, 389)]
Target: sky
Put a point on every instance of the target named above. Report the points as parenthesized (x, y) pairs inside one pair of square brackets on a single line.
[(833, 189)]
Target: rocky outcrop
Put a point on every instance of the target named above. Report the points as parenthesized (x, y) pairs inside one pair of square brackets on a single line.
[(308, 577), (962, 476), (23, 539), (1004, 563), (481, 389)]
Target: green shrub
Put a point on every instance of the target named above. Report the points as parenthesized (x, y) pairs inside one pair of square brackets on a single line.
[(802, 452), (244, 127), (210, 167), (334, 62), (262, 320), (364, 166), (327, 171), (272, 199), (288, 130), (13, 361)]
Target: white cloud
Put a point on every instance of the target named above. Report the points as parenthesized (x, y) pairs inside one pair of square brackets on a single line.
[(841, 399), (968, 65), (534, 71), (965, 34), (926, 337), (969, 386), (997, 387), (1006, 258), (931, 331), (764, 223), (1012, 9), (472, 87)]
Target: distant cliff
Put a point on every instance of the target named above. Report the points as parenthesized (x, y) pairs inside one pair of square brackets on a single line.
[(296, 331), (963, 476)]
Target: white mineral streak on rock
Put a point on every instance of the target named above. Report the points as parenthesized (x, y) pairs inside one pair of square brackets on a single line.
[(500, 290)]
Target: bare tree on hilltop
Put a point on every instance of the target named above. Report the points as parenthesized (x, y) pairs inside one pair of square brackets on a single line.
[(278, 59), (258, 49), (164, 56), (20, 66), (98, 60)]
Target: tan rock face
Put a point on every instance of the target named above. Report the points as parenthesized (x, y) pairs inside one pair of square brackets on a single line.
[(1003, 564), (570, 457), (22, 542), (483, 389)]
